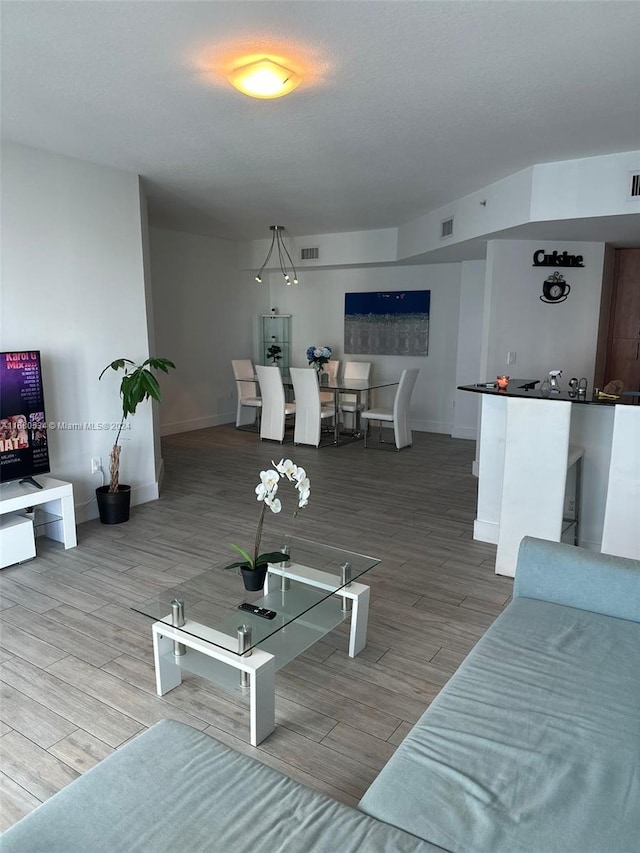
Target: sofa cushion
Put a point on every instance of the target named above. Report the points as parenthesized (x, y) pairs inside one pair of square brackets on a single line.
[(554, 571), (532, 745), (176, 789)]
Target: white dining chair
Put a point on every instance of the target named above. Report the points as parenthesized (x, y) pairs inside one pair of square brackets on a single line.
[(249, 402), (274, 408), (327, 398), (309, 410), (398, 415), (349, 402)]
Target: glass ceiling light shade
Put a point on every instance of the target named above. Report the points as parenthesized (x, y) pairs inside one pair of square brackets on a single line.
[(283, 254), (264, 79)]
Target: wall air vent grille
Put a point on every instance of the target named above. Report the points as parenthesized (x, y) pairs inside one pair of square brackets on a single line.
[(634, 191), (311, 254), (446, 227)]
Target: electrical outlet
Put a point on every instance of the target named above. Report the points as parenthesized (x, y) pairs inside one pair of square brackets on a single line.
[(571, 506), (511, 358), (96, 464)]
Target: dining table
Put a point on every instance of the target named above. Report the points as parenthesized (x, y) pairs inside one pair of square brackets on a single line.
[(360, 387)]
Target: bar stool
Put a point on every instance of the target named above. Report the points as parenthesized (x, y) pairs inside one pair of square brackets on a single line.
[(575, 457)]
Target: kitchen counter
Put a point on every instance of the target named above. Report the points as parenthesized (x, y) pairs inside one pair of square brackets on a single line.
[(516, 389), (526, 483)]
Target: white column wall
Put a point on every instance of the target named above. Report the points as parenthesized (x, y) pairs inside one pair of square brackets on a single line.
[(205, 315), (73, 287), (468, 367), (621, 529), (535, 474)]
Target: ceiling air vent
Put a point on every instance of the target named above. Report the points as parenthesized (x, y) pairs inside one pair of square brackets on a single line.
[(634, 191), (446, 227), (311, 254)]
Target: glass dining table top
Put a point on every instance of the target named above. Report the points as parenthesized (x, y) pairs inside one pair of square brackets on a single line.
[(301, 590), (342, 385), (337, 386)]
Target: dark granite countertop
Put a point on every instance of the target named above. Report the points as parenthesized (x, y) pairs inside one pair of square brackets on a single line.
[(516, 389)]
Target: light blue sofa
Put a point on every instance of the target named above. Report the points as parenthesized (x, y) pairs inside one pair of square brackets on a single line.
[(532, 747)]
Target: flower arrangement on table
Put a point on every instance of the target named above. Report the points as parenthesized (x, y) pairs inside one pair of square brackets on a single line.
[(254, 566), (318, 356)]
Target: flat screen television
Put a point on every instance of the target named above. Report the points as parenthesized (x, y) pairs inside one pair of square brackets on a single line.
[(24, 448)]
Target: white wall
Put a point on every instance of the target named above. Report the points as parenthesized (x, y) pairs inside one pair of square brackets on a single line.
[(543, 336), (591, 186), (317, 309), (586, 187), (468, 371), (344, 249), (500, 205), (151, 334), (73, 287), (205, 312)]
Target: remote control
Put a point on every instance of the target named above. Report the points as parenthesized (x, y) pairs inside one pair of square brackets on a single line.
[(258, 611)]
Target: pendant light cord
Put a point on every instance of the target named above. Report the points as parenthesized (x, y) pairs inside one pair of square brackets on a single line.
[(277, 240)]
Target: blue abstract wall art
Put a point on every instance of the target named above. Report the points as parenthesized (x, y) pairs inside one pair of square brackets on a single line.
[(393, 322)]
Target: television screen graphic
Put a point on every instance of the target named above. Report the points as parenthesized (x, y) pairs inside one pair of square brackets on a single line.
[(23, 427)]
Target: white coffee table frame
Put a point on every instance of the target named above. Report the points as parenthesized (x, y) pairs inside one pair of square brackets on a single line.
[(259, 665)]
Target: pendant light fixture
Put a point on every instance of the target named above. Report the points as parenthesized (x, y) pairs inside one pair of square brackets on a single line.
[(283, 254)]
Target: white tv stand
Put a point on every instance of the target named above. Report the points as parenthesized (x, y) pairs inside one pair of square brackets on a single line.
[(54, 511)]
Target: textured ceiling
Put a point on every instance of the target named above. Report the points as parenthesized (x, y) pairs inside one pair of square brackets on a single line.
[(404, 107)]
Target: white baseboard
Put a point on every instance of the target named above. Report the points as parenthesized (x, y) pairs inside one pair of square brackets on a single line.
[(144, 494), (464, 432), (197, 423), (431, 426), (486, 531)]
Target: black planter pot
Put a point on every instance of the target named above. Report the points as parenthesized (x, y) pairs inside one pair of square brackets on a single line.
[(254, 578), (113, 507)]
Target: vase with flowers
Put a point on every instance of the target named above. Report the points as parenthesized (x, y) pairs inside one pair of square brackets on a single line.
[(253, 566), (318, 357)]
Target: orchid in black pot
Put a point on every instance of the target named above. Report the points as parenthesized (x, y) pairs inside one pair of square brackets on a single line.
[(253, 566)]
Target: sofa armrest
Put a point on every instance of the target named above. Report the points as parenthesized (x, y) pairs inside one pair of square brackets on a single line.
[(588, 580)]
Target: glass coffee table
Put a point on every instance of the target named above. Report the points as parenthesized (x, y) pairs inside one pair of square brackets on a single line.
[(199, 626)]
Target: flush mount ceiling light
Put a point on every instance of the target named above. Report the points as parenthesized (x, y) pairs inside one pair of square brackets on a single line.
[(276, 240), (264, 79)]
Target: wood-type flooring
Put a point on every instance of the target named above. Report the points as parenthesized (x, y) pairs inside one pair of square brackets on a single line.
[(76, 663)]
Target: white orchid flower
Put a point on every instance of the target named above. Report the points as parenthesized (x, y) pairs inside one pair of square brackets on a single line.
[(273, 503), (303, 485), (269, 478), (266, 492), (303, 500), (286, 468), (263, 492)]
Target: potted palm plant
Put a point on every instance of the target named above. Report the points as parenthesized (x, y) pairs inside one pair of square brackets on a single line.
[(138, 384)]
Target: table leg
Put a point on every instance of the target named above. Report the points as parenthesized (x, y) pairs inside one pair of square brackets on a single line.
[(356, 415), (259, 667), (262, 702), (359, 620), (168, 674)]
